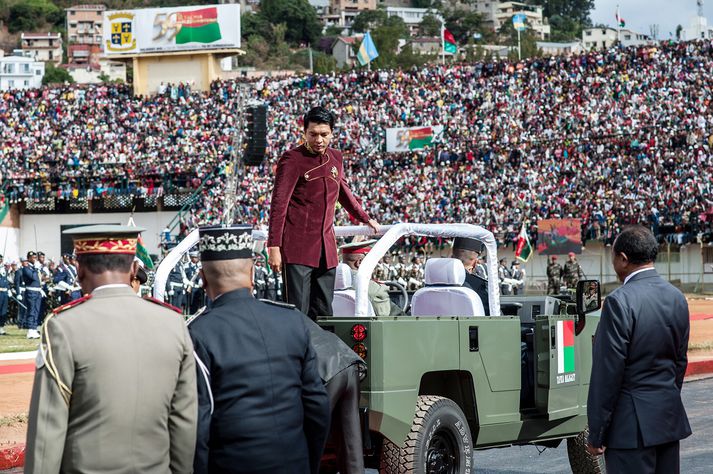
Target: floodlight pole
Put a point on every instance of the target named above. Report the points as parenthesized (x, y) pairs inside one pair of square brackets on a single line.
[(236, 169), (519, 49)]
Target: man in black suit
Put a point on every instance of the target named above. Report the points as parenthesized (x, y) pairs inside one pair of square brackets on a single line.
[(262, 407), (468, 251), (636, 416)]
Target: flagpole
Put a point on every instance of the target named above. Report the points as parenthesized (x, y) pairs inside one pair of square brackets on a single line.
[(443, 41), (618, 26)]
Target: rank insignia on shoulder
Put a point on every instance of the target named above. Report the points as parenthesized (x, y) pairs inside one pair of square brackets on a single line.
[(163, 303), (72, 304), (278, 303)]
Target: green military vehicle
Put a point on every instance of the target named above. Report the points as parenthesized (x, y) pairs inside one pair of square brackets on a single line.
[(447, 380)]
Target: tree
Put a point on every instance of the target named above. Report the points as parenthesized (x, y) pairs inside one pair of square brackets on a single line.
[(528, 42), (257, 52), (463, 24), (334, 30), (565, 29), (299, 16), (29, 15), (567, 17), (367, 20), (430, 25), (255, 24), (56, 75), (421, 3), (324, 63)]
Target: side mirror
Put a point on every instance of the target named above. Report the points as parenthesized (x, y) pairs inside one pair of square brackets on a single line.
[(589, 299)]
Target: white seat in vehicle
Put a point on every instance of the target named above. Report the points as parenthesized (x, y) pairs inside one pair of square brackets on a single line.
[(344, 302), (444, 294)]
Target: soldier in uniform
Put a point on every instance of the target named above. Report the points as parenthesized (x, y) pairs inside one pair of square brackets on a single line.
[(261, 275), (308, 183), (176, 287), (517, 274), (195, 294), (5, 286), (263, 408), (45, 272), (30, 276), (115, 387), (504, 276), (554, 276), (273, 287), (572, 272), (352, 255), (67, 273), (415, 274)]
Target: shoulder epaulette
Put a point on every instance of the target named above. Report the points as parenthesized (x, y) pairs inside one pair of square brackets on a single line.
[(194, 316), (163, 303), (278, 304), (72, 304)]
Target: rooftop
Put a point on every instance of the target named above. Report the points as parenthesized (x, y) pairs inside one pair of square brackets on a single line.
[(88, 7), (40, 35)]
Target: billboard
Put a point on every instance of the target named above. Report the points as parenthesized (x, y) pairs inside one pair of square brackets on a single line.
[(559, 236), (165, 30), (411, 138)]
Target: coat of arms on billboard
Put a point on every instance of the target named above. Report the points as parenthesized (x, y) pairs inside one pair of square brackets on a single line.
[(121, 33)]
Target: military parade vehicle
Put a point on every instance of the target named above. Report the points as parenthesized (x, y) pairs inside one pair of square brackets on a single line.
[(446, 380)]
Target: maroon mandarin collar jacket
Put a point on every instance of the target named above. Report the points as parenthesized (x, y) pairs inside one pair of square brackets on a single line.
[(307, 187)]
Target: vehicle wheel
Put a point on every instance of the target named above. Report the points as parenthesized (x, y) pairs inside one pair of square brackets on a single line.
[(438, 443), (580, 460)]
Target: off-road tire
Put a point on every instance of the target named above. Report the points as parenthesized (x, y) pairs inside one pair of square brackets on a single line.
[(580, 460), (438, 422)]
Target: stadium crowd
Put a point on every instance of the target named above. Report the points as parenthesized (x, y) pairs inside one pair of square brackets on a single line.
[(612, 137)]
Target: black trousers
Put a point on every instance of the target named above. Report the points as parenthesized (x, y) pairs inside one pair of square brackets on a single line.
[(345, 433), (310, 289), (661, 459)]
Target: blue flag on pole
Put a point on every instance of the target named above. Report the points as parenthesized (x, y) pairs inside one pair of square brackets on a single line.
[(367, 51)]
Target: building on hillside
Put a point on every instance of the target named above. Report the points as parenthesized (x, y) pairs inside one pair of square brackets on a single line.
[(245, 5), (425, 45), (560, 49), (602, 38), (20, 72), (342, 12), (343, 51), (496, 14), (94, 73), (45, 47), (411, 16), (85, 24)]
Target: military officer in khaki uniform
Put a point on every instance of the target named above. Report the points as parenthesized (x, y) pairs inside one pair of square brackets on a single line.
[(352, 255), (115, 387)]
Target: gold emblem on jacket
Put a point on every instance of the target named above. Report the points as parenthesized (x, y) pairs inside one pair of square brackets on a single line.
[(334, 172)]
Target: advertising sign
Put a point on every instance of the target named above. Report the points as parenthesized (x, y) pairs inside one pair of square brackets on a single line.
[(411, 138), (157, 30)]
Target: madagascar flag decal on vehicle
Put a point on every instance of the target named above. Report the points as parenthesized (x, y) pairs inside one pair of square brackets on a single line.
[(565, 347), (198, 26)]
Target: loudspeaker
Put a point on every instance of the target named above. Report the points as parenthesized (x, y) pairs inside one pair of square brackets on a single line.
[(255, 135)]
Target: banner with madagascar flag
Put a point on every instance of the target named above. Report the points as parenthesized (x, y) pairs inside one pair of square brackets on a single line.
[(412, 138), (171, 29)]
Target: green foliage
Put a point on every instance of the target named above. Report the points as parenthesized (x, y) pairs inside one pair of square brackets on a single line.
[(463, 24), (30, 15), (528, 41), (421, 3), (333, 30), (257, 51), (368, 20), (299, 16), (56, 75), (252, 24), (567, 17), (104, 77), (430, 26), (324, 63)]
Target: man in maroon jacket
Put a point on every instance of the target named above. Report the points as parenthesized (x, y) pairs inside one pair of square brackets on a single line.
[(301, 241)]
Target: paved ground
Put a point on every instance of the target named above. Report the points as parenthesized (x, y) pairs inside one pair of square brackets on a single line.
[(696, 451)]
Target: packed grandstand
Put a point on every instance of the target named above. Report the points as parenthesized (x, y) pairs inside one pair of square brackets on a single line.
[(611, 137)]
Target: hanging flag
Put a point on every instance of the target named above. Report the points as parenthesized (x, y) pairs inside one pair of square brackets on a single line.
[(518, 21), (449, 42), (198, 26), (523, 250), (367, 51), (266, 256), (141, 252), (565, 347), (619, 20)]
